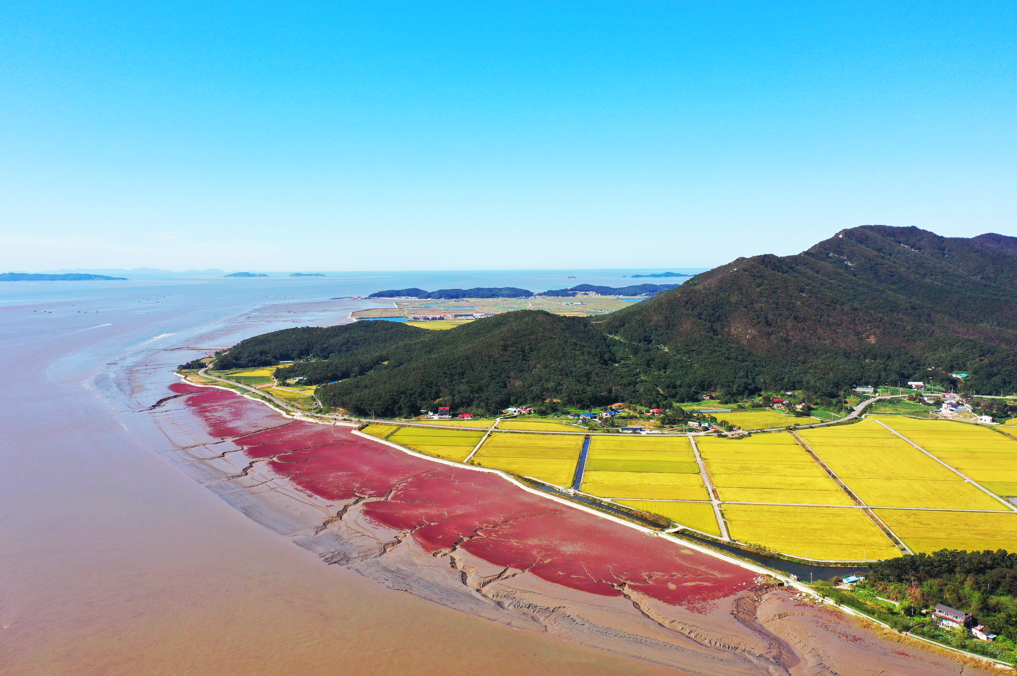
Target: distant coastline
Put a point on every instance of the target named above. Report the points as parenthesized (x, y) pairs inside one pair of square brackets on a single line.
[(512, 292), (68, 277)]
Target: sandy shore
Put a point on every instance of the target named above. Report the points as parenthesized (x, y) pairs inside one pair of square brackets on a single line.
[(477, 543)]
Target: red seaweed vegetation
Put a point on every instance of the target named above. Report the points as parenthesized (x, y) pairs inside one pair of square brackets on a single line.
[(448, 508)]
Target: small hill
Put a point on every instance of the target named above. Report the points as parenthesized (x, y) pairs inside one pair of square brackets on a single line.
[(67, 277), (245, 274), (662, 274), (306, 274), (389, 369)]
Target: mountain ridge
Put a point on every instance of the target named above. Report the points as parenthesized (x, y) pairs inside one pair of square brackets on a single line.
[(870, 305)]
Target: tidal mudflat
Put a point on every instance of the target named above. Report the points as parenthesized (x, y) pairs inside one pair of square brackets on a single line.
[(113, 562), (476, 543)]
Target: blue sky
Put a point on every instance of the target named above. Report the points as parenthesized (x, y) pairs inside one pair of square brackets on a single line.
[(350, 136)]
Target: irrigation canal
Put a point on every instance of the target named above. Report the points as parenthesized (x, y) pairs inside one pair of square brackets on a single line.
[(802, 571), (577, 480)]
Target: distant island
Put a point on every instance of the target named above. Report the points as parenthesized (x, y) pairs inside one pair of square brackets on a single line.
[(513, 292), (69, 277), (664, 274), (245, 274), (634, 290), (303, 274)]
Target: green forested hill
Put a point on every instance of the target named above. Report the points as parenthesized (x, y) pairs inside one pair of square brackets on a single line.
[(872, 305), (511, 358)]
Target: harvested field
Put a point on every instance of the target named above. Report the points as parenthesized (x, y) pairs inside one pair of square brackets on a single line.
[(662, 468), (538, 426), (697, 515), (886, 471), (979, 453), (928, 531), (448, 444), (827, 533), (550, 458), (761, 419), (771, 468)]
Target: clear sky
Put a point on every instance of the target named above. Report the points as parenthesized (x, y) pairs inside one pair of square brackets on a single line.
[(406, 136)]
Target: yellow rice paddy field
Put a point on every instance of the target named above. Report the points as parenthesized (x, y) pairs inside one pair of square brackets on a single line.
[(988, 457), (696, 515), (827, 533), (261, 376), (440, 325), (448, 444), (289, 394), (476, 424), (661, 468), (380, 431), (885, 471), (762, 419), (550, 458), (927, 531), (538, 426), (770, 468)]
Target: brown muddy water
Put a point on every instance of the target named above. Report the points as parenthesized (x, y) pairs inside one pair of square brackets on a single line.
[(114, 562)]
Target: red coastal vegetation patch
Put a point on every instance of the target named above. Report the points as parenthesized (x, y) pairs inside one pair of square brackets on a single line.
[(227, 414), (446, 508)]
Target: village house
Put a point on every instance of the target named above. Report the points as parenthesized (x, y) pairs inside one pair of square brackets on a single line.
[(465, 416), (656, 411), (916, 385), (982, 635), (950, 618), (444, 412)]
